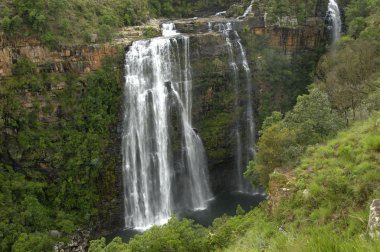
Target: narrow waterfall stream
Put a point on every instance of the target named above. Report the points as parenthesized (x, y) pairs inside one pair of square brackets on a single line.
[(245, 127), (335, 20), (164, 162), (247, 11)]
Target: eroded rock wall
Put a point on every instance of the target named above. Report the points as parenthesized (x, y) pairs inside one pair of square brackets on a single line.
[(78, 59)]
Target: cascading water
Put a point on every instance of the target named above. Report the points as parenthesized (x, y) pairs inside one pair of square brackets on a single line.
[(245, 128), (333, 14), (161, 173), (247, 11)]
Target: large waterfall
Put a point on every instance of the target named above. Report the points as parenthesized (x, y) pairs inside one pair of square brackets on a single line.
[(164, 162), (335, 20), (245, 128)]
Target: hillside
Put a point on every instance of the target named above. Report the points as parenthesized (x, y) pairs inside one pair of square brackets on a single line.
[(321, 205), (75, 22)]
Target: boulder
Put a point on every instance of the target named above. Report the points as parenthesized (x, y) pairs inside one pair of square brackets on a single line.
[(55, 234), (374, 219)]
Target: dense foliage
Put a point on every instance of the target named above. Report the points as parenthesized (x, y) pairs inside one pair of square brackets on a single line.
[(283, 141), (55, 131), (278, 76), (350, 73), (174, 236), (346, 89), (67, 22), (288, 13)]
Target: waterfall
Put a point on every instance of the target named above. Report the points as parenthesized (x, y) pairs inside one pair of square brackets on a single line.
[(247, 11), (222, 13), (245, 128), (164, 162), (336, 23)]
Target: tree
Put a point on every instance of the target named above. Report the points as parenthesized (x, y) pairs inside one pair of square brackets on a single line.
[(345, 75), (312, 118), (283, 142)]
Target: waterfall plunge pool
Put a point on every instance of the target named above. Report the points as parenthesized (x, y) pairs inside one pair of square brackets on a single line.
[(225, 203)]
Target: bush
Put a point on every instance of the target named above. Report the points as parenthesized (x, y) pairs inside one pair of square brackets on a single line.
[(33, 243), (150, 32), (174, 236), (283, 141), (50, 40), (23, 67)]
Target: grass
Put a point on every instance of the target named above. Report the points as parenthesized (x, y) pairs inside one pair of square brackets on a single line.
[(341, 179)]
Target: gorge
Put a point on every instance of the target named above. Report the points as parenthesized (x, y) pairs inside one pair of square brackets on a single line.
[(187, 125)]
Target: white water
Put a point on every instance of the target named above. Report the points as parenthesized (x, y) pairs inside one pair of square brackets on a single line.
[(209, 25), (247, 11), (169, 30), (244, 150), (336, 22), (161, 173), (222, 13)]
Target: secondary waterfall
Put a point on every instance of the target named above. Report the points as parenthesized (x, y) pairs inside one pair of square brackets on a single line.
[(335, 20), (245, 127), (164, 162), (247, 11)]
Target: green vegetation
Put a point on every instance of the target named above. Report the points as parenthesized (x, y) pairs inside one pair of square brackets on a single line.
[(280, 78), (63, 22), (325, 209), (283, 141), (300, 10), (55, 131), (57, 165), (74, 22), (350, 73), (174, 236)]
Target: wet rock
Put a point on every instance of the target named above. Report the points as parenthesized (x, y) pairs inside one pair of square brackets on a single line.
[(94, 37), (168, 86), (79, 242), (55, 234)]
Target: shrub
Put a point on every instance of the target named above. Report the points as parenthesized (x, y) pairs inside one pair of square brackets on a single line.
[(33, 243), (23, 67)]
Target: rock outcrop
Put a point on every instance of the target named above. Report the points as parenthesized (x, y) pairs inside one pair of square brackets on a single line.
[(79, 59), (374, 220), (280, 187), (79, 242)]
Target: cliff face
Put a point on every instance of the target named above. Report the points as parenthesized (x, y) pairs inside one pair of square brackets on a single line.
[(290, 40), (81, 59), (214, 113), (214, 110)]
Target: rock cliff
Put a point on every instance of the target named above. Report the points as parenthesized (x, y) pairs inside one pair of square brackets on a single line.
[(80, 59)]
